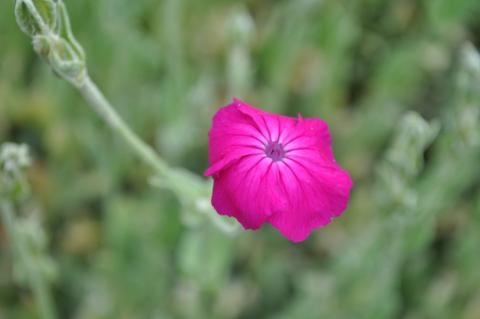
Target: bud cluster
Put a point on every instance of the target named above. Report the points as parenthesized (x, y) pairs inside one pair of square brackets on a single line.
[(47, 22)]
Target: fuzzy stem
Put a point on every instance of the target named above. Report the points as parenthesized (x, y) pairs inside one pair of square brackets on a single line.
[(37, 283), (100, 104)]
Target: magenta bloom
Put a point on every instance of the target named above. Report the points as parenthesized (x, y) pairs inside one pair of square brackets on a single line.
[(269, 168)]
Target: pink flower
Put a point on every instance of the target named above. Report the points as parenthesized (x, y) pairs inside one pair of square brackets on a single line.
[(269, 168)]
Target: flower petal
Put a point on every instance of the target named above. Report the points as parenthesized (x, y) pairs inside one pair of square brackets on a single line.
[(311, 134), (257, 116), (249, 191), (316, 196), (232, 136)]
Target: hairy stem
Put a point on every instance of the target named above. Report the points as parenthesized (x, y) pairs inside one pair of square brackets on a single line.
[(100, 104)]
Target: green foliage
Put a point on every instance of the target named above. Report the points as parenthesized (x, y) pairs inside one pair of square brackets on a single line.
[(395, 80)]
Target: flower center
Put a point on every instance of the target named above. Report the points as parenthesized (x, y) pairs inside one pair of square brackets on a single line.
[(275, 151)]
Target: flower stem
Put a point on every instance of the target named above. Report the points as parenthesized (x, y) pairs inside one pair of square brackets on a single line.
[(182, 182), (100, 104), (38, 285)]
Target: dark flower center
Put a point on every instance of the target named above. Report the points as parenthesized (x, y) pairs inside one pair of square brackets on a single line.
[(275, 151)]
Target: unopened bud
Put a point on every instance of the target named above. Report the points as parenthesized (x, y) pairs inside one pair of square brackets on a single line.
[(36, 16), (47, 22)]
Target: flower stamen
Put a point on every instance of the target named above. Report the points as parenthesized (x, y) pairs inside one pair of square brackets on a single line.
[(275, 151)]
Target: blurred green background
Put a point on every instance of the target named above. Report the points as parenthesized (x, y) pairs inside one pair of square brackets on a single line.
[(116, 247)]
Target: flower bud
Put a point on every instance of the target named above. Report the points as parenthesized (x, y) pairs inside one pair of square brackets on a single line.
[(64, 30), (41, 45), (37, 16), (47, 22), (65, 61)]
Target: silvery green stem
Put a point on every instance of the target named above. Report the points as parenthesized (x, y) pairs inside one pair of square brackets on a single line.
[(102, 107), (14, 160), (192, 191), (38, 285)]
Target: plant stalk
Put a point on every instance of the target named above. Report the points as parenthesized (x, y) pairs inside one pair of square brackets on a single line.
[(102, 107), (38, 285)]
